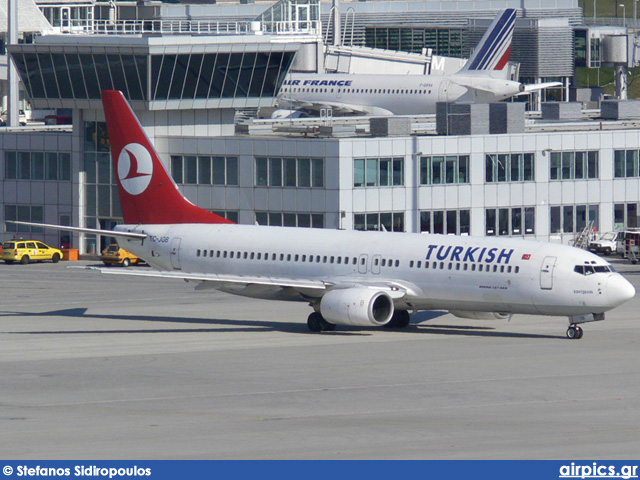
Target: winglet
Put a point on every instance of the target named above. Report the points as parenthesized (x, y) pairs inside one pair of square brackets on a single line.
[(492, 53), (148, 195)]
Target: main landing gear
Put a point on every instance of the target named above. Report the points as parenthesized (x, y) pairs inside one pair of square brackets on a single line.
[(574, 332), (316, 323)]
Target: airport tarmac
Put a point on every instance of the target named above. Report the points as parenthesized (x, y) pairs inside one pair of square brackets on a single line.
[(96, 366)]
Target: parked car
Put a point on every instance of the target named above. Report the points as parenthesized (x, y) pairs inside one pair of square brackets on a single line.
[(114, 254), (4, 118), (27, 251), (606, 244)]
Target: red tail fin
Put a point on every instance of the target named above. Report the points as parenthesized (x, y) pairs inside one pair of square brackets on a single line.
[(147, 193)]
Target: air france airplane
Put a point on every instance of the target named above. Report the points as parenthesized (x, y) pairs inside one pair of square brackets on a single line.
[(374, 94), (348, 277)]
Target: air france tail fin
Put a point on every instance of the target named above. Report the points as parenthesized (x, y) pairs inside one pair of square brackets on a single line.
[(492, 53), (148, 195)]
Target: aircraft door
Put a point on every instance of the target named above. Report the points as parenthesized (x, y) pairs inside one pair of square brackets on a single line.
[(175, 253), (375, 264), (546, 273), (443, 91), (362, 263)]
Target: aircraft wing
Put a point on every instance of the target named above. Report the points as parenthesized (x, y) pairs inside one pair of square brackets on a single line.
[(303, 286), (94, 231), (338, 108), (534, 87)]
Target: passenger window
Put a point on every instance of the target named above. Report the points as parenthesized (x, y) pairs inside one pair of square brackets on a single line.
[(288, 257), (332, 259), (246, 255), (33, 245), (517, 269), (252, 255), (211, 252), (480, 267), (296, 257), (384, 262), (197, 252), (42, 245), (204, 253), (411, 264), (397, 263), (419, 263)]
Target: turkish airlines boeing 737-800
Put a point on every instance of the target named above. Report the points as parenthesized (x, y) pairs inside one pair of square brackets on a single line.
[(348, 277), (478, 81)]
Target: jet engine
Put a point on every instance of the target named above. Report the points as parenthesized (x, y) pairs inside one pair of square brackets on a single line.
[(357, 306), (480, 315)]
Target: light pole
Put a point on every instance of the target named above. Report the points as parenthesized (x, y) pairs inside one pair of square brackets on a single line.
[(635, 14), (624, 15), (594, 12)]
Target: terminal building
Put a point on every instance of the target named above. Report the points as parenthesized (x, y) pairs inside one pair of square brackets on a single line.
[(548, 176)]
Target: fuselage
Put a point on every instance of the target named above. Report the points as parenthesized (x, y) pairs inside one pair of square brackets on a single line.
[(381, 94), (484, 274)]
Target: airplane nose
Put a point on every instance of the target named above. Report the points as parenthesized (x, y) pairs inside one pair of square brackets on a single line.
[(619, 290)]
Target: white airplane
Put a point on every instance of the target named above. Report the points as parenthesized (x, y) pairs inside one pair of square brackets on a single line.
[(477, 82), (348, 277)]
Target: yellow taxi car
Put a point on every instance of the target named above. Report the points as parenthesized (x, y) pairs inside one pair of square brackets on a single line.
[(114, 254), (26, 251)]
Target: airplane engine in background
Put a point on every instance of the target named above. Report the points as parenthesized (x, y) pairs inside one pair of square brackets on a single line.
[(480, 315), (357, 307)]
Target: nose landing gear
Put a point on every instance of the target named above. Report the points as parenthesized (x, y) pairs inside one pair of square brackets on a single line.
[(574, 332)]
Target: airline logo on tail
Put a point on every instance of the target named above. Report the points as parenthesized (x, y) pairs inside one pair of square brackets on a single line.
[(135, 168), (148, 194), (493, 50)]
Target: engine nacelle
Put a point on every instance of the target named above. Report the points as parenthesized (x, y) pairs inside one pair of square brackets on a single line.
[(357, 306), (480, 315), (287, 113)]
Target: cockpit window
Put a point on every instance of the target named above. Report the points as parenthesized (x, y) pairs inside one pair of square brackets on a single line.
[(591, 269)]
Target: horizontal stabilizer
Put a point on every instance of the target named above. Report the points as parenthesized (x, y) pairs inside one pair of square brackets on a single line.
[(93, 231), (534, 87)]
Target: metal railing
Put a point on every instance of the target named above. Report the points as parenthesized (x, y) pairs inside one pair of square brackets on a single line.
[(191, 27)]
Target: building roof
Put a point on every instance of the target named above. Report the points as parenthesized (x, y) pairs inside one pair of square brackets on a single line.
[(30, 18)]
